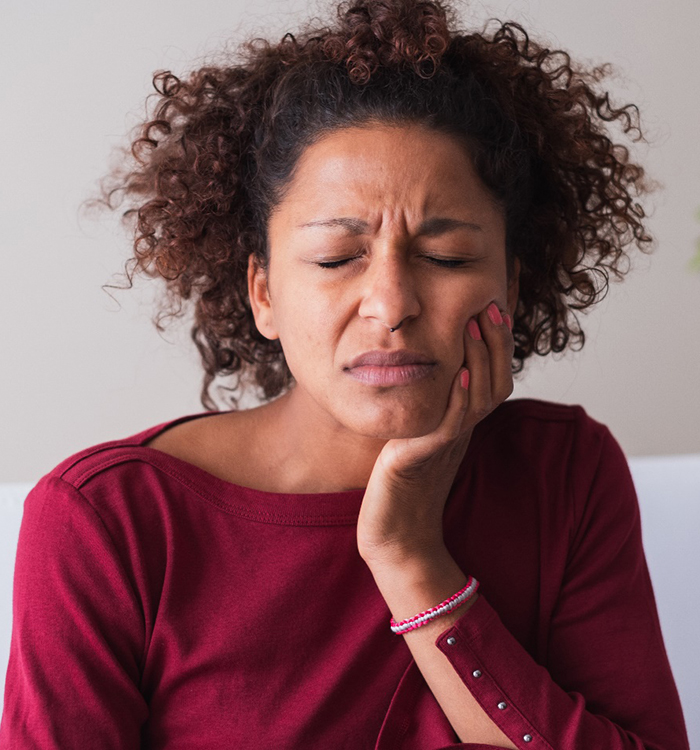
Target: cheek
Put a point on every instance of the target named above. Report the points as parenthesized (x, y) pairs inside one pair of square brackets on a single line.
[(481, 290), (456, 309), (308, 332)]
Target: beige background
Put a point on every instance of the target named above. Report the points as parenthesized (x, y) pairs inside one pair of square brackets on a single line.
[(79, 367)]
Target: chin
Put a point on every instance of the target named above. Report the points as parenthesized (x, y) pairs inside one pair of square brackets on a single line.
[(388, 424)]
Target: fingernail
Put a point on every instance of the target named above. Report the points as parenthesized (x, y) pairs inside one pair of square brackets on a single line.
[(473, 328), (508, 321), (465, 379), (494, 314)]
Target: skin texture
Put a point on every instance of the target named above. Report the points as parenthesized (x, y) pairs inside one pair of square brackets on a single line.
[(405, 442)]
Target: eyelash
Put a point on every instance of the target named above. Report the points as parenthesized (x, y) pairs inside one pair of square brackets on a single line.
[(440, 262)]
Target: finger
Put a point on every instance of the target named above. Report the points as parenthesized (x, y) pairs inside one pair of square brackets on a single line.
[(477, 361), (499, 342), (453, 423)]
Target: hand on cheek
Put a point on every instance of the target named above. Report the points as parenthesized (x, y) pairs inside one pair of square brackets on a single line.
[(485, 380), (401, 515), (488, 353)]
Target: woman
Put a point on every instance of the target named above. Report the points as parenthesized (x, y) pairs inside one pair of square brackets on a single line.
[(377, 222)]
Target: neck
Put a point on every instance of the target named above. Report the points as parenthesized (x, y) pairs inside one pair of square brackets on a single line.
[(319, 454)]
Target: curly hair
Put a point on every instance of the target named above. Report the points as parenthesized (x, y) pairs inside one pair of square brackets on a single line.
[(213, 159)]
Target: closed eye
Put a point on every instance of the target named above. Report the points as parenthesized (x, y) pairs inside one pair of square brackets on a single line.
[(441, 262), (447, 262), (336, 263)]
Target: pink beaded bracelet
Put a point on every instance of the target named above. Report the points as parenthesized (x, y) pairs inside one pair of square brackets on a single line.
[(448, 605)]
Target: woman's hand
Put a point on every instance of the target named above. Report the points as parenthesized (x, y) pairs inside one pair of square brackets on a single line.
[(402, 509)]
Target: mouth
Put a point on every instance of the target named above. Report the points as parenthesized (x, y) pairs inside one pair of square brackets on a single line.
[(390, 368)]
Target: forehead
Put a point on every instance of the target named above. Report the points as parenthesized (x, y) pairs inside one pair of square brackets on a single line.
[(386, 168)]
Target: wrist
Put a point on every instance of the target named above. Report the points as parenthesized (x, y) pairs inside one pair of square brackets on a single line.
[(461, 599), (420, 584), (402, 558)]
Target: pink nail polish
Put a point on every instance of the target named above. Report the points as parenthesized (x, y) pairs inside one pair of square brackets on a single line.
[(464, 377), (473, 328), (494, 314), (508, 321)]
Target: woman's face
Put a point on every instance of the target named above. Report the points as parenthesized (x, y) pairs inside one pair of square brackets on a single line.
[(381, 226)]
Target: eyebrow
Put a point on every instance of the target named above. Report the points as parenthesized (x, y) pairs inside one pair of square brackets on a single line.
[(429, 227)]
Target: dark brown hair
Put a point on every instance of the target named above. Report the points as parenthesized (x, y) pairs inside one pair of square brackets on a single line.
[(220, 146)]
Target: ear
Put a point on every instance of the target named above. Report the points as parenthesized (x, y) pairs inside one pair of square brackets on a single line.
[(514, 287), (260, 301)]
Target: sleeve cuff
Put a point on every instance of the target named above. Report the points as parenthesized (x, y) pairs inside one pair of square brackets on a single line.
[(483, 652)]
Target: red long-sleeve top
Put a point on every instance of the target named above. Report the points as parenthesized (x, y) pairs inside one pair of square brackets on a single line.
[(158, 606)]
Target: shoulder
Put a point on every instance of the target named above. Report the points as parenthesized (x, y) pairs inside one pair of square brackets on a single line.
[(541, 410), (79, 468), (119, 490), (549, 438), (562, 445), (560, 460), (531, 416)]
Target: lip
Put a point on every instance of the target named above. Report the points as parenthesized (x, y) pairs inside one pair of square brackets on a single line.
[(388, 368), (384, 358)]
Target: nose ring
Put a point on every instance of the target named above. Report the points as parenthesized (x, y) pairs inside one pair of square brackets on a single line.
[(397, 327)]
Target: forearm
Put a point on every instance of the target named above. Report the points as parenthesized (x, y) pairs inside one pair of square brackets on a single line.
[(410, 588)]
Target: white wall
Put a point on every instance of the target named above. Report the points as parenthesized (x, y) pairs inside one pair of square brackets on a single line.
[(77, 369)]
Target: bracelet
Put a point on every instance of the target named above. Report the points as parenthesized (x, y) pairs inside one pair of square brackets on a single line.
[(449, 604)]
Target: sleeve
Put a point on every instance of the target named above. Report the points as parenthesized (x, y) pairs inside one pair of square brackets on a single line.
[(608, 683), (77, 632)]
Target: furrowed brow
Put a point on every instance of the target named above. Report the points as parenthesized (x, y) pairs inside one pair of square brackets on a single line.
[(354, 226), (429, 227), (440, 225)]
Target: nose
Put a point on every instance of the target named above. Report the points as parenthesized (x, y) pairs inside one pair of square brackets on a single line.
[(389, 294)]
